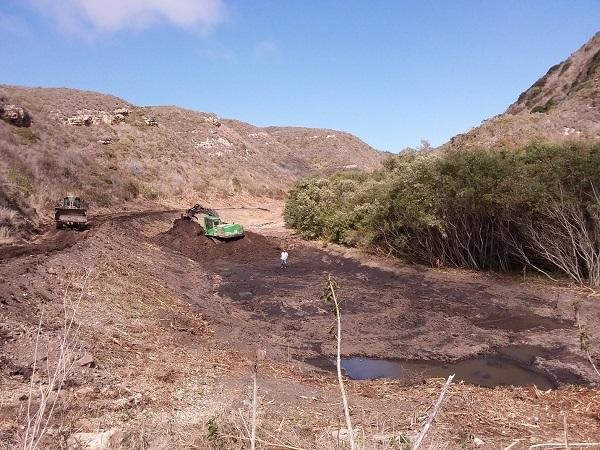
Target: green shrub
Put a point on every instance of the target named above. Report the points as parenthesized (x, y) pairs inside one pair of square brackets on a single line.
[(26, 135), (21, 181), (149, 192), (237, 185), (543, 108), (470, 208)]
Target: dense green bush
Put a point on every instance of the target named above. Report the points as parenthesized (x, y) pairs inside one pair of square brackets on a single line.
[(484, 209)]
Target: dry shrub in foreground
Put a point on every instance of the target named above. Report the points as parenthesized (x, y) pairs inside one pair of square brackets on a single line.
[(40, 407)]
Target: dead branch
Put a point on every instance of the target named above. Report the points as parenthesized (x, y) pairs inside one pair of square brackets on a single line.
[(329, 294), (584, 339), (551, 445), (434, 412)]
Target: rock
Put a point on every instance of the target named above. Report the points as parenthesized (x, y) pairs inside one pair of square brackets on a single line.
[(85, 391), (86, 360), (212, 120), (389, 439), (150, 121), (121, 112), (117, 118), (103, 440), (214, 142), (80, 120), (105, 141), (15, 115), (245, 295), (108, 118), (478, 442)]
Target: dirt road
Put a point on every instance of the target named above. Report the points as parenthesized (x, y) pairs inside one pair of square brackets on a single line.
[(55, 240), (173, 321)]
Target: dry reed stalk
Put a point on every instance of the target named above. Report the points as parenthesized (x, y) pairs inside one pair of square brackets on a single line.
[(254, 395), (584, 338), (566, 432), (436, 408), (329, 294), (551, 445)]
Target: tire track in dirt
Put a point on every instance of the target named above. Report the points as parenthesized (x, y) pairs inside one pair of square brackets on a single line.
[(56, 240)]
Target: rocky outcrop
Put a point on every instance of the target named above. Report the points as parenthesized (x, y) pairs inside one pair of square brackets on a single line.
[(562, 105), (102, 440), (89, 117), (213, 120), (119, 115), (15, 115), (150, 121), (80, 120)]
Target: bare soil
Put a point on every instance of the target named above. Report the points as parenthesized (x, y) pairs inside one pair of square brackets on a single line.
[(417, 314), (172, 321)]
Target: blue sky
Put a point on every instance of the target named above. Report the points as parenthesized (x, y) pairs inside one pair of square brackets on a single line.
[(391, 72)]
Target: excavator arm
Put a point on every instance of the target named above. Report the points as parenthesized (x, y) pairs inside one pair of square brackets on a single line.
[(199, 209)]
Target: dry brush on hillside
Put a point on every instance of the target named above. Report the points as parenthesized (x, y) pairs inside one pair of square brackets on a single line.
[(113, 153)]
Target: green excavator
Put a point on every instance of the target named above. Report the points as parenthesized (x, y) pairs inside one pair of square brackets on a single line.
[(214, 227)]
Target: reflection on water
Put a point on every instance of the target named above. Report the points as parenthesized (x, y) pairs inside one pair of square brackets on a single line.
[(512, 365), (484, 371)]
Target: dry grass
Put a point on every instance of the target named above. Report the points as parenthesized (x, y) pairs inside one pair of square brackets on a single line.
[(560, 106), (8, 216), (170, 163), (44, 397), (6, 236)]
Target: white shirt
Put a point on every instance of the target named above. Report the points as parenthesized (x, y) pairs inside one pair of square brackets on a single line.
[(284, 256)]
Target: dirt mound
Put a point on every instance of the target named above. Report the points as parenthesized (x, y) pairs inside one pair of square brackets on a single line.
[(187, 237)]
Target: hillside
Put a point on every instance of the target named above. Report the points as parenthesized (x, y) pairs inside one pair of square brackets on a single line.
[(109, 151), (562, 105)]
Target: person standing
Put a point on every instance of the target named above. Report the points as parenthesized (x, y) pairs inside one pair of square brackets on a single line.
[(284, 258)]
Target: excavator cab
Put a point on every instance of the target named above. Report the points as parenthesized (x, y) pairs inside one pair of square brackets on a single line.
[(214, 227), (71, 202), (211, 222)]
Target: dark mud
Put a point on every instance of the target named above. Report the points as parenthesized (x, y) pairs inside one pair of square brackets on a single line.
[(408, 315), (187, 237)]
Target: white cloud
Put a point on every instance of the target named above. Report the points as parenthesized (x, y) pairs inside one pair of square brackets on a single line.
[(218, 53), (265, 48), (11, 24), (109, 16)]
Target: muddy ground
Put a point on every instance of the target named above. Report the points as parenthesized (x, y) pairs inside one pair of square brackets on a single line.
[(172, 320), (412, 313)]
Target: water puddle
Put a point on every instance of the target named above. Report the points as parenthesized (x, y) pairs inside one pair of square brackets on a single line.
[(507, 368)]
